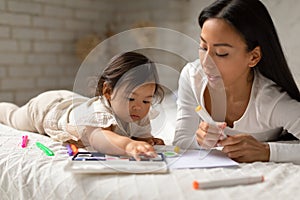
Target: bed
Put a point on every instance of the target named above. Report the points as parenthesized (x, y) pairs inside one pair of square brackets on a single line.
[(27, 173)]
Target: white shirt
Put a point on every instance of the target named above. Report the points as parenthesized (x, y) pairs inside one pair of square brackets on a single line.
[(96, 112), (69, 118), (269, 111)]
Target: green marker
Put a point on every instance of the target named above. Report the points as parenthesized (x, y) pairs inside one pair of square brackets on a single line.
[(45, 149), (170, 154)]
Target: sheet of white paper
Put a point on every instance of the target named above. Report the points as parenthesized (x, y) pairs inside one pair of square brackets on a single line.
[(201, 159)]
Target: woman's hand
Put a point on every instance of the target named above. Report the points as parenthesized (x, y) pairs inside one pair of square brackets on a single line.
[(151, 140), (245, 148), (209, 135), (137, 148)]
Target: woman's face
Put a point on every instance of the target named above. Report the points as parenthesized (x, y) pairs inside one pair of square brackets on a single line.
[(135, 106), (223, 53)]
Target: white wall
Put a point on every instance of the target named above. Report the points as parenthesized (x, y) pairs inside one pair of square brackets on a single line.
[(38, 37), (286, 17), (37, 43)]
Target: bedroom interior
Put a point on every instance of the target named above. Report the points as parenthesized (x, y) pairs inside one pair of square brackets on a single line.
[(43, 44)]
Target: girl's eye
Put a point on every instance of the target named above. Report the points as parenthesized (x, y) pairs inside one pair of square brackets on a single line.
[(130, 99), (146, 102)]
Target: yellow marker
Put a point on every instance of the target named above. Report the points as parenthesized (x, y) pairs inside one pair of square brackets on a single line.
[(204, 115), (176, 149), (207, 118)]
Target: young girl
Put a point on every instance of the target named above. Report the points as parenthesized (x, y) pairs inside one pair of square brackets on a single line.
[(118, 112)]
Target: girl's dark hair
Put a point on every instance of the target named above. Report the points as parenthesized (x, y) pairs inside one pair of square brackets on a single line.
[(131, 69), (252, 20)]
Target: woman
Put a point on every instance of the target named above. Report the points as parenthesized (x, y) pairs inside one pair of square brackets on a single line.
[(261, 97)]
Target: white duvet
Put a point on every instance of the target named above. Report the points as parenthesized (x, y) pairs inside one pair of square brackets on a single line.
[(27, 173)]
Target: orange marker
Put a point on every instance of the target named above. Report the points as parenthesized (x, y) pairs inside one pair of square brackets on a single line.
[(74, 149), (228, 182)]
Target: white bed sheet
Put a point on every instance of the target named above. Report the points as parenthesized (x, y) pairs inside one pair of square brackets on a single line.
[(27, 173)]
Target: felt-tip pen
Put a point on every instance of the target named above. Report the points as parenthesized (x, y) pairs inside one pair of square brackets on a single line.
[(74, 149), (45, 149), (228, 182), (70, 151), (207, 118), (24, 141)]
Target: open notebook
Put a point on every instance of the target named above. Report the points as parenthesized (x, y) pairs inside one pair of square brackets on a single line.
[(94, 162)]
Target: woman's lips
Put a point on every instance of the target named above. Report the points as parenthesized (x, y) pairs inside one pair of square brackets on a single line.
[(135, 117), (213, 78)]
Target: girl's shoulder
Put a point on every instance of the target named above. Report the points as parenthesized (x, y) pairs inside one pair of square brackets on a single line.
[(99, 104), (94, 112)]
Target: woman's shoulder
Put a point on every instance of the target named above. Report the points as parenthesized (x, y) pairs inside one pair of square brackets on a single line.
[(264, 83), (193, 69), (192, 66), (268, 89)]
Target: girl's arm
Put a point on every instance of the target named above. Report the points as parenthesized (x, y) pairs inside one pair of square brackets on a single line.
[(106, 141)]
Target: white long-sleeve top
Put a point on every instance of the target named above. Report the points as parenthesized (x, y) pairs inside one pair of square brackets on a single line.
[(269, 112)]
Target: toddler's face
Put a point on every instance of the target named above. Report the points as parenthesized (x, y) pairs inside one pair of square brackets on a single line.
[(135, 106)]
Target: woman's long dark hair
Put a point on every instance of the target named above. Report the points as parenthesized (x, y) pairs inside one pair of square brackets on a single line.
[(252, 20)]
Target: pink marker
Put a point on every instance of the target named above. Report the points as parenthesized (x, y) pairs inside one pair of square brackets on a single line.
[(24, 141)]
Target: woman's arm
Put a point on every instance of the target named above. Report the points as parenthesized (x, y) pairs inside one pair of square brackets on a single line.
[(187, 119), (108, 142), (275, 109), (280, 110), (285, 152)]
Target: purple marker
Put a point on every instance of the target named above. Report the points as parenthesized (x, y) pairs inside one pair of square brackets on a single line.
[(70, 152)]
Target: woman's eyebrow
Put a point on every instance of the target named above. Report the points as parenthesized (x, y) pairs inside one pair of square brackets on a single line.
[(217, 44)]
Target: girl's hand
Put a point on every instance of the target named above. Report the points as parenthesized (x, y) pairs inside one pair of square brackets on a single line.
[(151, 140), (209, 135), (137, 148), (245, 148)]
